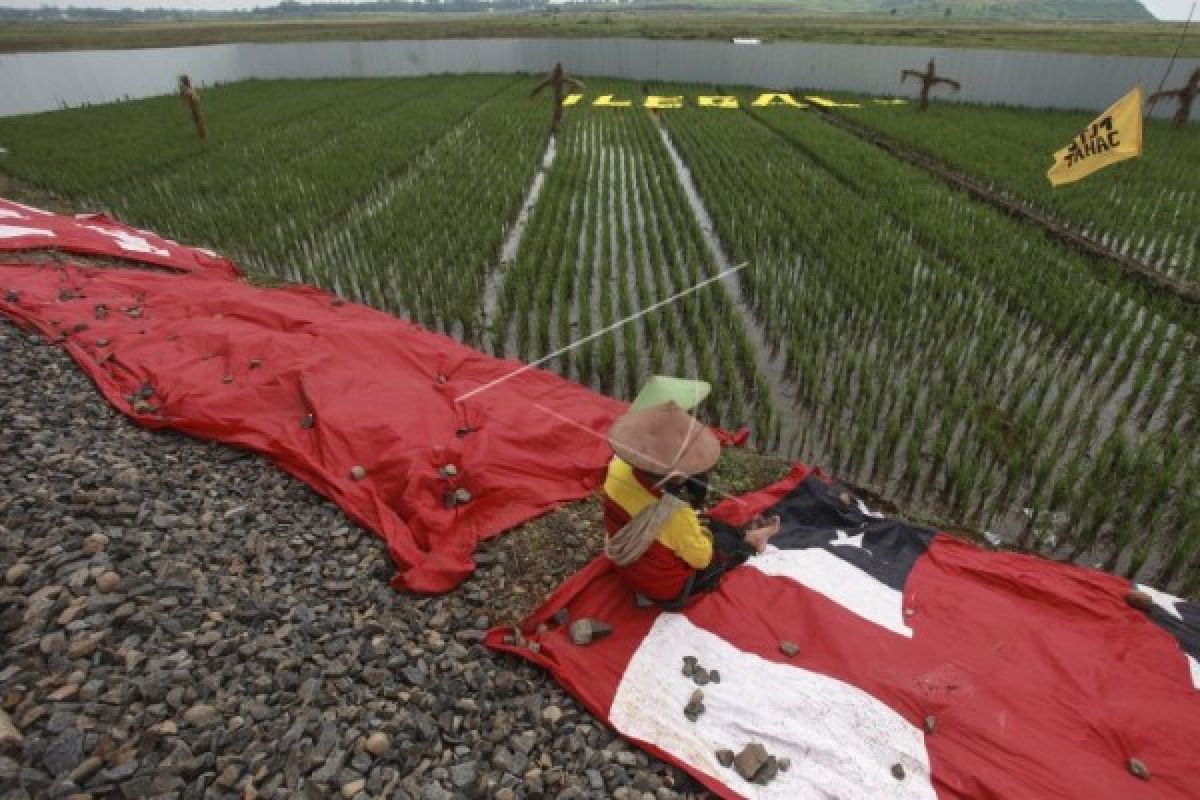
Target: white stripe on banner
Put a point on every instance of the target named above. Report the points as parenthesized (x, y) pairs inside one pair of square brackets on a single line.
[(128, 241), (842, 742), (840, 581), (1170, 604), (30, 209), (13, 231), (1167, 602)]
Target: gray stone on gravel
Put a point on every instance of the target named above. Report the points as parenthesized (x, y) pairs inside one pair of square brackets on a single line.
[(435, 791), (10, 738), (378, 743), (329, 770), (85, 770), (201, 715), (108, 582), (64, 754), (17, 574), (9, 769), (503, 760), (119, 772), (464, 774), (229, 776)]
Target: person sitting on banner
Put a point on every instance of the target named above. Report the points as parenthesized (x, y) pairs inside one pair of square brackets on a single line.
[(654, 486)]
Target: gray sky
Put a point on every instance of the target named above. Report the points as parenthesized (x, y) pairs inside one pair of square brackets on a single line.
[(1163, 9)]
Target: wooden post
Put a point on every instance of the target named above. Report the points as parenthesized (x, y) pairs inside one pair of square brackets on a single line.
[(188, 92)]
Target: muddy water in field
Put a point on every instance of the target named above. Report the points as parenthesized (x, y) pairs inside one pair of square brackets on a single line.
[(645, 228), (769, 357), (512, 242)]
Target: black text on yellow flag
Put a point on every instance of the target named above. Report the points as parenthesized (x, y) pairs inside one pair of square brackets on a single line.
[(1113, 136)]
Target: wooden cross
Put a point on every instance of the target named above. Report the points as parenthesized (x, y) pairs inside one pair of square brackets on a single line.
[(928, 80), (559, 80), (1186, 96)]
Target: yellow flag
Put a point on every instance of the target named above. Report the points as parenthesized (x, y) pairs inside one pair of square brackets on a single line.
[(1113, 136)]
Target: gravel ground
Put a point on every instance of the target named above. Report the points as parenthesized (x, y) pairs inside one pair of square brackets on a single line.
[(182, 620)]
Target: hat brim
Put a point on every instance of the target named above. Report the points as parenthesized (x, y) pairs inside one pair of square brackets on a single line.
[(637, 438)]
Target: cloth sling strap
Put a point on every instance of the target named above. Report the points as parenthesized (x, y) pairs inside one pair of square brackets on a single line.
[(632, 541)]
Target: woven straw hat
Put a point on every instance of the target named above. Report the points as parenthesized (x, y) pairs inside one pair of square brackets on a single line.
[(664, 439)]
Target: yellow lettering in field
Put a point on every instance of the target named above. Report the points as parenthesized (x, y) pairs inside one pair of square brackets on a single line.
[(607, 101), (777, 98), (717, 101), (890, 101), (658, 101), (572, 99), (825, 102)]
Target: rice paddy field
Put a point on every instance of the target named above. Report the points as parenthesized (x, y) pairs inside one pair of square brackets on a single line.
[(907, 338)]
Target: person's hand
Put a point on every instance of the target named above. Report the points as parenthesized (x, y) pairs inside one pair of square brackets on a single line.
[(760, 531)]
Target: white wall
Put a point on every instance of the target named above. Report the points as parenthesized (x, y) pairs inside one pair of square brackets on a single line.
[(31, 82)]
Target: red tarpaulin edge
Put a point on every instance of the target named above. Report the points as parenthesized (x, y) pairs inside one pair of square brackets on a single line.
[(24, 227)]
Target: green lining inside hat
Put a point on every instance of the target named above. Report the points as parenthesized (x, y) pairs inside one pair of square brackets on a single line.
[(660, 389)]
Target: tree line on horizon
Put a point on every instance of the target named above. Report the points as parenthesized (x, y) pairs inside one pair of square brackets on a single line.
[(1127, 10)]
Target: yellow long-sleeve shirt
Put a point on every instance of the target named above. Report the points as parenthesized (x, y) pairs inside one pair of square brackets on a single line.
[(682, 546)]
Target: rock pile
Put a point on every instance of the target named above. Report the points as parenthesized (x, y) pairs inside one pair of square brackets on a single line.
[(247, 644)]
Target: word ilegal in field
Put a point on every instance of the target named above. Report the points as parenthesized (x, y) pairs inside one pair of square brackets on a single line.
[(656, 102)]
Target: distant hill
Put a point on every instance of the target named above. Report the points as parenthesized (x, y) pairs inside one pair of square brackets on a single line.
[(1130, 10)]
